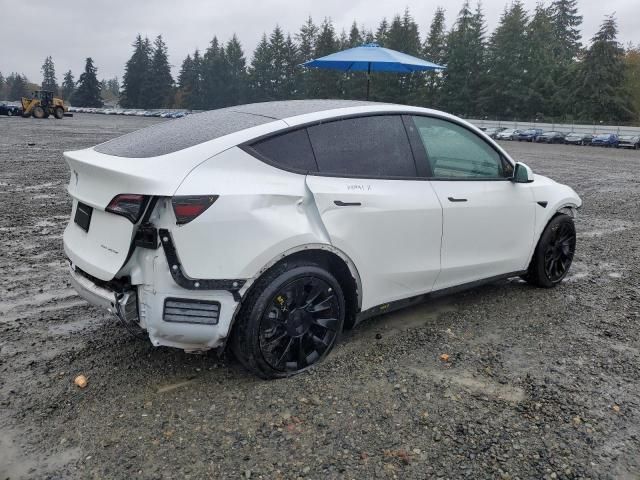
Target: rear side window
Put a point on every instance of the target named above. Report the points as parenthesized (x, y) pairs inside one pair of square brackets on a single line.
[(375, 146), (291, 151)]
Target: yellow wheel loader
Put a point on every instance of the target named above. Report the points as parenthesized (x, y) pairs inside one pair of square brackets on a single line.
[(42, 104)]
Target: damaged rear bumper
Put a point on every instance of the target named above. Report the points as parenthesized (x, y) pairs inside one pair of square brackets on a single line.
[(122, 304), (171, 315)]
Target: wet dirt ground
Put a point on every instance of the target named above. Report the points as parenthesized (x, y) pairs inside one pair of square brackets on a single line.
[(539, 383)]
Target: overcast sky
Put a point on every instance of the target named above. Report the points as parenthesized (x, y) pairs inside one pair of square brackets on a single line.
[(71, 30)]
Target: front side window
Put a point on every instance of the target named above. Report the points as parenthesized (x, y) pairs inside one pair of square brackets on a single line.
[(375, 146), (456, 152)]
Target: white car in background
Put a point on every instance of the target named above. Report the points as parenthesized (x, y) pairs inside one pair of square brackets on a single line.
[(272, 226), (507, 134)]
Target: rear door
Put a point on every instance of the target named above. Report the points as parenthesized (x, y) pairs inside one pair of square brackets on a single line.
[(374, 207), (488, 221)]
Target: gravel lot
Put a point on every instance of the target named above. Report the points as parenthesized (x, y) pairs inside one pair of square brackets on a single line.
[(539, 383)]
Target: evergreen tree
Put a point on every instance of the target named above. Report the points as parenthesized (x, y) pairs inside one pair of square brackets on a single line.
[(325, 83), (160, 89), (113, 85), (214, 64), (542, 93), (601, 93), (435, 50), (2, 86), (292, 68), (260, 71), (354, 84), (88, 91), (49, 81), (190, 82), (278, 66), (68, 86), (17, 86), (463, 78), (135, 82), (381, 32), (401, 35), (306, 39), (185, 83), (566, 23), (197, 86), (110, 90), (632, 77), (236, 73), (508, 59)]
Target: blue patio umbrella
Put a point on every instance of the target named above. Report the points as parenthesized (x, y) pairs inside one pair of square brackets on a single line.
[(372, 58)]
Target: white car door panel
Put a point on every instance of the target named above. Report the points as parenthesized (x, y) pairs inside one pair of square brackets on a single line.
[(391, 229), (487, 229), (488, 221)]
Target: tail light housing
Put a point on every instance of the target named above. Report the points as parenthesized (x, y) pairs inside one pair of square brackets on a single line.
[(128, 205), (188, 207)]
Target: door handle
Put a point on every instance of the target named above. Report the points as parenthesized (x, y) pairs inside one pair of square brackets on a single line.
[(340, 203), (451, 199)]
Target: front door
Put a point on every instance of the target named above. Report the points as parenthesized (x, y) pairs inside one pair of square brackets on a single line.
[(488, 221)]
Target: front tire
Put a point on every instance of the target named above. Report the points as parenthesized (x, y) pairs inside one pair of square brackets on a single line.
[(38, 112), (58, 113), (290, 320), (554, 253)]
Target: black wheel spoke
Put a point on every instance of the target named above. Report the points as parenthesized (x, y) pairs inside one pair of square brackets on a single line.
[(285, 353), (326, 323), (276, 339), (324, 305)]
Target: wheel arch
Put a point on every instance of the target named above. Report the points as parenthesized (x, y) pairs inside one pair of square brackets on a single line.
[(566, 207), (333, 259)]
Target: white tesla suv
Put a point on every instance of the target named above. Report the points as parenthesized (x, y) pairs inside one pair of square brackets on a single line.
[(274, 225)]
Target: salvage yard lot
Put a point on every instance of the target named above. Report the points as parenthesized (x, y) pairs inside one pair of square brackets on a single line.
[(538, 383)]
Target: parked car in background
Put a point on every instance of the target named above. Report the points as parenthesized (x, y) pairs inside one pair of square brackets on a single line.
[(629, 141), (605, 140), (576, 138), (269, 227), (493, 131), (551, 137), (529, 135), (507, 134), (9, 110)]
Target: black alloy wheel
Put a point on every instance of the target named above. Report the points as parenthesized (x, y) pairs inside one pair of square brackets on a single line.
[(290, 319), (559, 252), (300, 324), (554, 253)]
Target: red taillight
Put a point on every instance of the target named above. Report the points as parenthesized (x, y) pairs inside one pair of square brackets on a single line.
[(128, 205), (186, 208)]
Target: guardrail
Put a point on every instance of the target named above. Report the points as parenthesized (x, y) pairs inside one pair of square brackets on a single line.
[(559, 127)]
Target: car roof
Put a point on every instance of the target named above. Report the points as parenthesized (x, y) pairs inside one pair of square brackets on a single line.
[(169, 137)]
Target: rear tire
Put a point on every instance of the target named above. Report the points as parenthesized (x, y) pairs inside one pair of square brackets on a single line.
[(554, 253), (290, 320), (59, 113), (37, 112), (9, 113)]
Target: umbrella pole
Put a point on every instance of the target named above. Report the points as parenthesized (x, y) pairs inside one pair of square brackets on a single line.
[(368, 78)]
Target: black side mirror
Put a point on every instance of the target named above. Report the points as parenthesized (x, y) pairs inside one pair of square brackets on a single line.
[(522, 173)]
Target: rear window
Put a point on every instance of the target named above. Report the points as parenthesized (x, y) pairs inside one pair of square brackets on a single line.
[(375, 146), (291, 151), (173, 135)]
